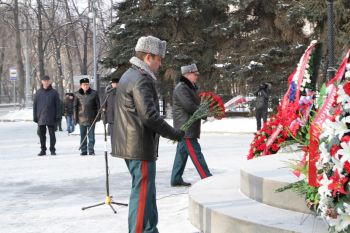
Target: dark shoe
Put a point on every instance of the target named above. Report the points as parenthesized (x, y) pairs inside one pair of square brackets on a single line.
[(182, 183), (83, 153), (53, 153), (91, 153), (42, 153)]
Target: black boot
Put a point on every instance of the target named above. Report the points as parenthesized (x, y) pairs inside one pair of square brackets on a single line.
[(42, 153)]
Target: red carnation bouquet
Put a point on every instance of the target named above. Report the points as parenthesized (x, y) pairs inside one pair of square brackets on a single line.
[(211, 106)]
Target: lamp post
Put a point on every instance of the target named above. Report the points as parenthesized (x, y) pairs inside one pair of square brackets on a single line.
[(330, 68)]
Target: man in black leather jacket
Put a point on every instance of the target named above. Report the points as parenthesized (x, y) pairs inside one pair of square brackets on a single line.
[(185, 103), (137, 126), (86, 106)]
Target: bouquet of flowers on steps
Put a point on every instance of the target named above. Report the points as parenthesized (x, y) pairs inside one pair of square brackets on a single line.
[(211, 106)]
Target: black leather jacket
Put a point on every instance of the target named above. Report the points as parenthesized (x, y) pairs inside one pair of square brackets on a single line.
[(185, 103), (138, 123), (86, 106)]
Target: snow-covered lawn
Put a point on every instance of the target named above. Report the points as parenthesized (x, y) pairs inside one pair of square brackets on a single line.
[(45, 194)]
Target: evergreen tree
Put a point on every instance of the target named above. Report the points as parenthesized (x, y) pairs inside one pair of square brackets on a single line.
[(237, 44), (194, 30)]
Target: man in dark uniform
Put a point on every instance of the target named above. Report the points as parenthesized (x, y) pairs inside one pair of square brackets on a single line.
[(46, 113), (185, 103), (137, 126), (108, 108), (261, 104), (86, 106)]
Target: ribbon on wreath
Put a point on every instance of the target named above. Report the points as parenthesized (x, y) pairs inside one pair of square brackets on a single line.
[(299, 73), (321, 117)]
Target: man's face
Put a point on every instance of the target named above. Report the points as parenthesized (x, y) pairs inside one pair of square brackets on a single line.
[(85, 86), (45, 83), (193, 76), (114, 85), (154, 62)]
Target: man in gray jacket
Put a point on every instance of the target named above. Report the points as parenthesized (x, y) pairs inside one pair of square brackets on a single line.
[(136, 129), (185, 103)]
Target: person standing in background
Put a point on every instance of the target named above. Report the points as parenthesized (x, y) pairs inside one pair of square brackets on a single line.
[(68, 111), (46, 113), (109, 106), (59, 120), (86, 107), (261, 104)]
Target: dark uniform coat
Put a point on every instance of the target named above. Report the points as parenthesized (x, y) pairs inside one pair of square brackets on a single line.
[(185, 103), (46, 106), (109, 106)]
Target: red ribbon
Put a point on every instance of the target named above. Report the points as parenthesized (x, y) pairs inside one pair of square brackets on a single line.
[(321, 117)]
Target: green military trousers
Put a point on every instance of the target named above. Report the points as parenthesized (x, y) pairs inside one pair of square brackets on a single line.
[(143, 214), (185, 147)]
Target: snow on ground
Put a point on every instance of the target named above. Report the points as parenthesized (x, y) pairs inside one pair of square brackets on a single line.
[(45, 194), (226, 125)]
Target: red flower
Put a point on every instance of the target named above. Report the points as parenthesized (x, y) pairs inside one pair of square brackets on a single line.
[(345, 138), (262, 147), (347, 167), (337, 184), (275, 147), (334, 149), (346, 88), (280, 140)]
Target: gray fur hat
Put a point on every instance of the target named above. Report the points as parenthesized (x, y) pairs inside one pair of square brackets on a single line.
[(189, 69), (151, 44)]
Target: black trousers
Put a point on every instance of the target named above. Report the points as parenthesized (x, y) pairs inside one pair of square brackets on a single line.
[(260, 113), (42, 136)]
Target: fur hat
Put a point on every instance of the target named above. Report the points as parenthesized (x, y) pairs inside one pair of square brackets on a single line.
[(189, 69), (115, 80), (46, 77), (84, 80), (151, 44)]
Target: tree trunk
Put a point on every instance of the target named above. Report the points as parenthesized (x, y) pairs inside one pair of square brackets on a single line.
[(2, 56), (85, 44), (19, 60), (40, 41), (70, 67), (59, 67), (74, 37)]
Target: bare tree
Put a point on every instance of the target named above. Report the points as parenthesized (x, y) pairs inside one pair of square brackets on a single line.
[(40, 39), (19, 59)]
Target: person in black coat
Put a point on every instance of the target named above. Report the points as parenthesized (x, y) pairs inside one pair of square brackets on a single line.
[(59, 121), (86, 106), (68, 111), (46, 114), (108, 107), (261, 104)]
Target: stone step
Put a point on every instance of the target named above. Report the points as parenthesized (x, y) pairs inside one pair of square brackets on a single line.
[(216, 205), (260, 177)]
